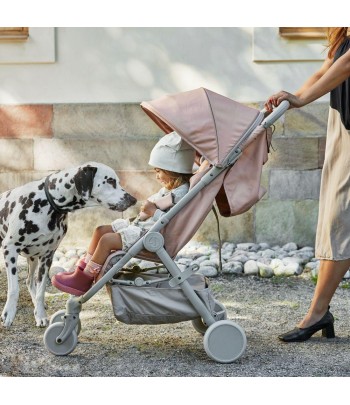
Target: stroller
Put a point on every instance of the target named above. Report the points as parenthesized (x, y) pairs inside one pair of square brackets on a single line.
[(235, 140)]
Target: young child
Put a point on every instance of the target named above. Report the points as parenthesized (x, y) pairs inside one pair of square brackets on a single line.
[(173, 161)]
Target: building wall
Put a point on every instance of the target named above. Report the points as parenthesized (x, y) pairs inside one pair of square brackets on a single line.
[(73, 96), (37, 140), (129, 65)]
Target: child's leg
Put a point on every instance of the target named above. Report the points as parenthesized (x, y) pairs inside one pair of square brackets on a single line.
[(106, 243), (96, 236), (101, 230), (81, 280)]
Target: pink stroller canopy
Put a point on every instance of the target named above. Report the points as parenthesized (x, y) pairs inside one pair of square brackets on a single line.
[(209, 122), (213, 125)]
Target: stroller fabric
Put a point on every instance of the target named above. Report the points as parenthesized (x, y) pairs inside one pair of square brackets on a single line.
[(157, 303), (213, 125)]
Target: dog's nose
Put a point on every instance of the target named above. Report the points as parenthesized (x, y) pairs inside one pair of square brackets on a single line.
[(130, 199)]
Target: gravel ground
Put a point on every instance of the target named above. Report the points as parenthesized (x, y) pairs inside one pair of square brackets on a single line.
[(262, 307)]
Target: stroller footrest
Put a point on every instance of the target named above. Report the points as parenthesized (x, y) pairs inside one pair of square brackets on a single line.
[(183, 276)]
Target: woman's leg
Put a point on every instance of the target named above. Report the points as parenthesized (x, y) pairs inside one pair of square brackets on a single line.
[(330, 275)]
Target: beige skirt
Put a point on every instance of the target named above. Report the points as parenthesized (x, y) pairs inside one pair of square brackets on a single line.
[(333, 229)]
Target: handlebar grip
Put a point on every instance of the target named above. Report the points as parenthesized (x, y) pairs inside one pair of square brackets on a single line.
[(276, 114)]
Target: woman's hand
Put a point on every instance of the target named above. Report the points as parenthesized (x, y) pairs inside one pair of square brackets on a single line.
[(276, 99), (149, 208)]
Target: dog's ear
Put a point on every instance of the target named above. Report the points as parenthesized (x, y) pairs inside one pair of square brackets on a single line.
[(84, 181)]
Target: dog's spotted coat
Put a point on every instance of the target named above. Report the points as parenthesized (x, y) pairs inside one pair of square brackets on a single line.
[(33, 222)]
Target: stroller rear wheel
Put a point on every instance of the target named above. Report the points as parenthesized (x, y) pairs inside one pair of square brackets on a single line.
[(225, 341), (220, 313), (58, 317), (59, 349)]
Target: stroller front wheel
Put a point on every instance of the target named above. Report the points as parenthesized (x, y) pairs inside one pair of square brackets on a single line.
[(58, 317), (225, 341), (62, 348)]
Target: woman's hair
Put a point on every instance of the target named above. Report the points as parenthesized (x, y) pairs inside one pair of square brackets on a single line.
[(336, 36), (177, 179)]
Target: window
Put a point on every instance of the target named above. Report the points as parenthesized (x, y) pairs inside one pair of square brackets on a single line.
[(14, 33), (303, 32)]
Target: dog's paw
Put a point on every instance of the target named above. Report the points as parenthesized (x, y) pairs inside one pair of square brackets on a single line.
[(41, 323), (7, 317), (41, 319)]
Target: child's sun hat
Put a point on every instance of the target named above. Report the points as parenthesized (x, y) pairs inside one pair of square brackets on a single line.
[(172, 153)]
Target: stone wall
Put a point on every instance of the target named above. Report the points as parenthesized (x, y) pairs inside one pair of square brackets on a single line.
[(36, 140)]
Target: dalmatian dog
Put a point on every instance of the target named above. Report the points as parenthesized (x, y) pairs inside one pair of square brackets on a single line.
[(33, 222)]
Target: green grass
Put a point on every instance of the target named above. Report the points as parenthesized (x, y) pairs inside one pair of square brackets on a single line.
[(217, 287), (345, 285)]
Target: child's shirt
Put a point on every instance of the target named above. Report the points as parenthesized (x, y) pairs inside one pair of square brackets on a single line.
[(176, 195)]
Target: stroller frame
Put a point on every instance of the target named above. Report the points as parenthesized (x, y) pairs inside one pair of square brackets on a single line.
[(224, 340)]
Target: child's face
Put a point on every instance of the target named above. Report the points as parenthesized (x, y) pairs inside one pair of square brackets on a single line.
[(164, 179)]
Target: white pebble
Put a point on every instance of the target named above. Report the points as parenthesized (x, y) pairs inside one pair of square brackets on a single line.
[(209, 263), (239, 258), (208, 271), (310, 266), (251, 267), (288, 260), (81, 252), (70, 263), (232, 268), (201, 259), (248, 247), (268, 253), (290, 246), (265, 271), (58, 254), (71, 253), (293, 269)]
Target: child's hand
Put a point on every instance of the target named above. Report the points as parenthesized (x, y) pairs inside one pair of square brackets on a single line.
[(203, 166), (149, 208)]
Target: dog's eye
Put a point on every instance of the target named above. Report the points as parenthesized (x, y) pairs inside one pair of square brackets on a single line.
[(112, 182)]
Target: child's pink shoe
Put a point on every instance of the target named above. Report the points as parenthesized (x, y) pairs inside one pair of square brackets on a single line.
[(81, 264), (75, 283)]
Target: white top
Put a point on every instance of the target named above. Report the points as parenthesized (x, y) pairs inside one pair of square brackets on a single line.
[(177, 194)]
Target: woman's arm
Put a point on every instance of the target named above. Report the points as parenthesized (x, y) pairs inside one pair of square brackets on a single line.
[(317, 86), (315, 77)]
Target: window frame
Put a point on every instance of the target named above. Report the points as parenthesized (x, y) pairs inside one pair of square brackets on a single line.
[(303, 32), (14, 33)]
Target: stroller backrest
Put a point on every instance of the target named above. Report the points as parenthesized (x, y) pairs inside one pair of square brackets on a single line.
[(185, 224)]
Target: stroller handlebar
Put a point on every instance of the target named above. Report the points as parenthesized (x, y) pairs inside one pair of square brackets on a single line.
[(276, 114)]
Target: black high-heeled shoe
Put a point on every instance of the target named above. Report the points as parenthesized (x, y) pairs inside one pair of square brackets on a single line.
[(326, 324)]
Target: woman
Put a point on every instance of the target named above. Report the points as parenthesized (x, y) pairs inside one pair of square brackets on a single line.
[(333, 229)]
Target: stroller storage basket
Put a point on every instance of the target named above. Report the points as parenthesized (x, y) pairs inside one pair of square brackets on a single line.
[(155, 302)]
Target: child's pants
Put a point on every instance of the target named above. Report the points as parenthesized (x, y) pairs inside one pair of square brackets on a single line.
[(129, 233)]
